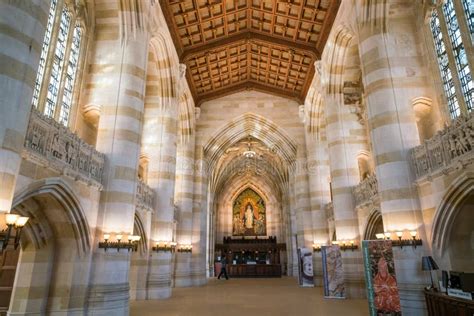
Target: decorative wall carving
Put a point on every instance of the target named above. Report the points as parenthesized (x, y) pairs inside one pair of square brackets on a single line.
[(329, 211), (366, 191), (449, 148), (53, 145), (145, 196)]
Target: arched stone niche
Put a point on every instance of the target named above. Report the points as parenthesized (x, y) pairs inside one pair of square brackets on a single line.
[(453, 227)]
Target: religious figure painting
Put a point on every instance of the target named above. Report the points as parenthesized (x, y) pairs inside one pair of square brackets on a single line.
[(383, 295), (249, 214)]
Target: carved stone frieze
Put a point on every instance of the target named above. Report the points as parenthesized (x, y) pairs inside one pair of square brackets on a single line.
[(145, 196), (449, 148), (53, 145), (366, 191), (330, 211)]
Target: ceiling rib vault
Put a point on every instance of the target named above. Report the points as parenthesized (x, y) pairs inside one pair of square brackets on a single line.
[(264, 45)]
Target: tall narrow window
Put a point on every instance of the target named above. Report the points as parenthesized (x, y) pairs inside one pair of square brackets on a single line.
[(443, 62), (459, 52), (71, 75), (468, 6), (44, 53), (58, 63)]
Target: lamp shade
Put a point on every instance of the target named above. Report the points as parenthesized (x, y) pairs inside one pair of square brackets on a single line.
[(428, 264)]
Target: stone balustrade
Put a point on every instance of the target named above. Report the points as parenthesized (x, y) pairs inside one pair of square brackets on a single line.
[(366, 191), (448, 149), (145, 196), (53, 145)]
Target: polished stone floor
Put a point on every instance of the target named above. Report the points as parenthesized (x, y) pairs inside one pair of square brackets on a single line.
[(248, 297)]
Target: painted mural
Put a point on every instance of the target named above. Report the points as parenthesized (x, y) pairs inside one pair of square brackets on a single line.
[(382, 290), (333, 274), (249, 214)]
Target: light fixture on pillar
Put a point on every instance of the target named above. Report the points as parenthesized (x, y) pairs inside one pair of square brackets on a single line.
[(164, 246), (316, 247), (132, 243), (380, 236), (388, 235), (428, 264), (405, 242), (13, 221), (185, 248), (348, 245)]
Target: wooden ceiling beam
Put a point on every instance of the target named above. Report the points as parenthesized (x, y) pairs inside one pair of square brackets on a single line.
[(188, 53)]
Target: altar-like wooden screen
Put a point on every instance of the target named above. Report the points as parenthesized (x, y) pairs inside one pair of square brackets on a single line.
[(249, 214)]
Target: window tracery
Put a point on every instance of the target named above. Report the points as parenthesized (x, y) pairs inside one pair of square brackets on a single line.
[(452, 57), (459, 51), (44, 53), (56, 78)]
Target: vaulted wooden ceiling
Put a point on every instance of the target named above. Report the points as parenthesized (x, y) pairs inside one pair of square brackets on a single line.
[(265, 45)]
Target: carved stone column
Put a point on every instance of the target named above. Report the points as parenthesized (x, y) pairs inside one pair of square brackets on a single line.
[(159, 143), (184, 194), (24, 25), (394, 74), (117, 73)]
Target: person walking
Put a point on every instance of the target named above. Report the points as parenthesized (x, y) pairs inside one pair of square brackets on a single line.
[(223, 268)]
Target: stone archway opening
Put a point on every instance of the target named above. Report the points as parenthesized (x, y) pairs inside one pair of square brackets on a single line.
[(46, 272)]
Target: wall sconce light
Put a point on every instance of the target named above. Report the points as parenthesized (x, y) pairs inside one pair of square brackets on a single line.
[(316, 247), (380, 236), (388, 235), (13, 221), (407, 242), (132, 243), (185, 248), (348, 245), (164, 246)]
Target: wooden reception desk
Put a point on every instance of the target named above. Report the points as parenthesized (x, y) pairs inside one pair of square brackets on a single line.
[(254, 270)]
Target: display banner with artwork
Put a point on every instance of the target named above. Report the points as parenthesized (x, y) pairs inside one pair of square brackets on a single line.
[(333, 273), (382, 290), (249, 214), (305, 267)]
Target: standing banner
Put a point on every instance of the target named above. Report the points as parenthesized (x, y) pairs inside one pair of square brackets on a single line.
[(305, 267), (382, 290), (333, 273)]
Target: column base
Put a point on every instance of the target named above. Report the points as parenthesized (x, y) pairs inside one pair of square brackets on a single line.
[(109, 299)]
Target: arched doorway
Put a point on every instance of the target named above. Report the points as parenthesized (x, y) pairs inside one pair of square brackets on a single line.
[(139, 261), (374, 226), (453, 227), (52, 267)]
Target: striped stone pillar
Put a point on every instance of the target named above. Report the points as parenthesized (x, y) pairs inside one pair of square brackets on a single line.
[(303, 206), (343, 150), (318, 175), (184, 201), (23, 24), (201, 261), (116, 82), (394, 74), (294, 230), (344, 144), (159, 143)]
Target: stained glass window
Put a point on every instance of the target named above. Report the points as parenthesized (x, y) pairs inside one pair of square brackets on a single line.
[(443, 62), (44, 53), (468, 6), (459, 52), (70, 75), (58, 63)]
